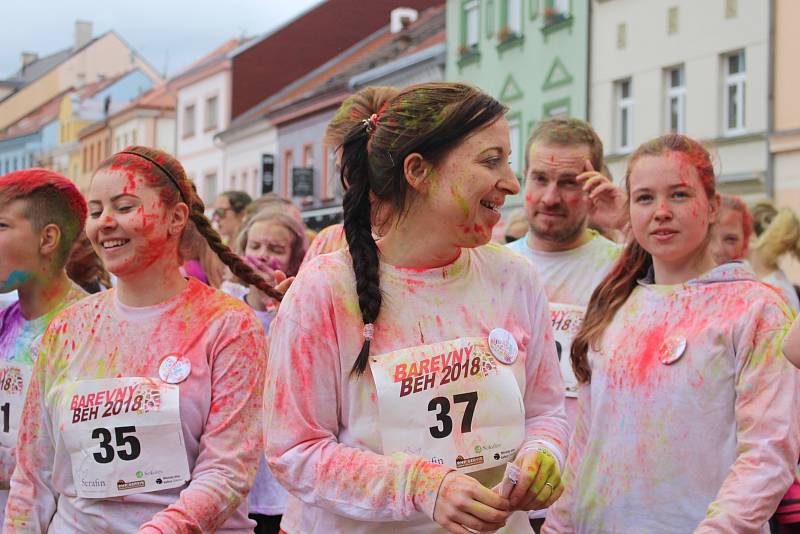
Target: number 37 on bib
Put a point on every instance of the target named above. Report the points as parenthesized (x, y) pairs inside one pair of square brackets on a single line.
[(453, 403)]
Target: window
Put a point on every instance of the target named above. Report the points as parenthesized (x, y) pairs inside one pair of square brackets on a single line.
[(734, 92), (308, 156), (561, 7), (624, 136), (210, 186), (622, 35), (731, 9), (211, 113), (672, 20), (513, 17), (471, 24), (515, 131), (288, 165), (188, 121), (676, 100)]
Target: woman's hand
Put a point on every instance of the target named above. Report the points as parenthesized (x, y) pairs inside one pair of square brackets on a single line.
[(464, 502), (539, 483), (256, 298)]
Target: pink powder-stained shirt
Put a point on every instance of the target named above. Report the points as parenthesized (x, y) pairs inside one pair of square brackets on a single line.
[(19, 342), (329, 239), (220, 411), (322, 436), (707, 444)]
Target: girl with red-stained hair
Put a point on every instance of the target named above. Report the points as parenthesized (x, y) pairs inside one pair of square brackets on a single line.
[(687, 410), (41, 215), (143, 410)]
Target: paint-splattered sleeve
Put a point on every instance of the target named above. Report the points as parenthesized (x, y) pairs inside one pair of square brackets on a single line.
[(559, 516), (768, 436), (303, 408), (32, 499), (231, 443), (545, 417)]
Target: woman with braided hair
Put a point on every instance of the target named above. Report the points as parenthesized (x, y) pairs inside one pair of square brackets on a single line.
[(413, 380), (143, 411)]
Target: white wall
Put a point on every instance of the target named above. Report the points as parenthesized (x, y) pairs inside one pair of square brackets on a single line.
[(198, 153), (704, 34), (243, 158)]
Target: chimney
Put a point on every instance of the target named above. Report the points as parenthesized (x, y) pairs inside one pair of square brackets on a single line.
[(28, 58), (83, 33), (401, 17)]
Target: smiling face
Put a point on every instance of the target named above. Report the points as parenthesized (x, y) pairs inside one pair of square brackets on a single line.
[(555, 204), (19, 246), (469, 185), (129, 226), (669, 208), (728, 236), (271, 242)]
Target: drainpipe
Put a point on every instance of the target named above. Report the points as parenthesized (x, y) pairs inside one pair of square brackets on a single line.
[(770, 178), (589, 58)]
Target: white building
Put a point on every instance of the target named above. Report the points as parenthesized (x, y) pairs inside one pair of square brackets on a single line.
[(203, 110), (696, 67)]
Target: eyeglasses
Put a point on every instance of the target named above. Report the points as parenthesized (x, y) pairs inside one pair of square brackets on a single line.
[(219, 213)]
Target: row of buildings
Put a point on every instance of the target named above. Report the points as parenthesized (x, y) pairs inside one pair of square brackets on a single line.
[(250, 115)]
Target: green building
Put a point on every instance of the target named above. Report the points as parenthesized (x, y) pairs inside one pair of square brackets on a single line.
[(532, 55)]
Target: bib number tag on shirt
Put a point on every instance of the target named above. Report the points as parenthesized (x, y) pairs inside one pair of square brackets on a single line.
[(567, 320), (452, 403), (14, 380), (124, 436)]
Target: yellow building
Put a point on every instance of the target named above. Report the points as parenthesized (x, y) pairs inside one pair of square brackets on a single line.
[(784, 141), (88, 60)]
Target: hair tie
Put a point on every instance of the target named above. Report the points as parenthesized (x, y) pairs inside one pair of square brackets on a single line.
[(369, 331)]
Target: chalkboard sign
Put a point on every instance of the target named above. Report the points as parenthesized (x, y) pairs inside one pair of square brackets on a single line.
[(303, 182)]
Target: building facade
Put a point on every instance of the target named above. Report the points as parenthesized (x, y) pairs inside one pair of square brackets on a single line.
[(89, 60), (699, 68), (532, 55), (203, 110)]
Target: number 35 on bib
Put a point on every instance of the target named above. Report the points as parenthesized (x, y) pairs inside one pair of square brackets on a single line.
[(452, 403), (124, 436)]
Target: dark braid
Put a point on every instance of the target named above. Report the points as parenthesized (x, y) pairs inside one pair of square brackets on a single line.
[(358, 231), (164, 171), (237, 266)]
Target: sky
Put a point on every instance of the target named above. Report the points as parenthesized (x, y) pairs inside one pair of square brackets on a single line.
[(170, 34)]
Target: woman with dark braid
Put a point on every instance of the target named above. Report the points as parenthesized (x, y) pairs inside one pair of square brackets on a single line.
[(413, 384), (142, 413)]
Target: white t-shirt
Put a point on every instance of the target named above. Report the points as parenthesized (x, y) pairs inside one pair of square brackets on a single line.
[(570, 276)]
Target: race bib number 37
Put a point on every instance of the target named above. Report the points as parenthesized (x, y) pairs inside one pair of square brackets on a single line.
[(124, 436), (451, 402)]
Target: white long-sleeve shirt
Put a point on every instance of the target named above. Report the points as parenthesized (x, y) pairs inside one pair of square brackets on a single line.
[(707, 444), (322, 435), (220, 410)]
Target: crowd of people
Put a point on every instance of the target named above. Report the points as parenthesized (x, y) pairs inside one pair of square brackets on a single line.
[(623, 361)]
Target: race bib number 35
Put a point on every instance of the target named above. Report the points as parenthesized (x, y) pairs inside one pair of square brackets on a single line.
[(452, 403), (14, 380), (124, 436)]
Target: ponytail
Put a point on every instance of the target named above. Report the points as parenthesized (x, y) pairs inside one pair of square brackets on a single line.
[(164, 171), (782, 235), (358, 232)]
